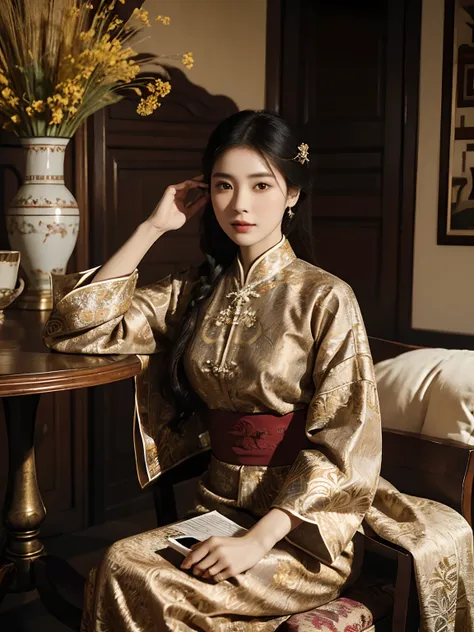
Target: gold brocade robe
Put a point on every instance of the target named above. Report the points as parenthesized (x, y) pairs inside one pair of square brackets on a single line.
[(287, 336)]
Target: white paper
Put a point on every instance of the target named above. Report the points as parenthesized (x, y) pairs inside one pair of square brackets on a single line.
[(209, 524)]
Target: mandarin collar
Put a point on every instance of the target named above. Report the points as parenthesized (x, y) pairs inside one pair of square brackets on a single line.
[(266, 265)]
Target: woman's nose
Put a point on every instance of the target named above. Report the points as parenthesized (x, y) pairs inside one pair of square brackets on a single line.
[(240, 201)]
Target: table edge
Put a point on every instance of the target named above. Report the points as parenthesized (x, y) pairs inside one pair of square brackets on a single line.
[(65, 380)]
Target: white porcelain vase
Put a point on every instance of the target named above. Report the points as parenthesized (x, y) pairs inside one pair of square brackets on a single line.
[(43, 219)]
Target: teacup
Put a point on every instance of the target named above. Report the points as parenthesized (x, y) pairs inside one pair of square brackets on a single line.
[(8, 296), (9, 266)]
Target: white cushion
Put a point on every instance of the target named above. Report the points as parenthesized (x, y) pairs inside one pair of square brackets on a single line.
[(429, 391)]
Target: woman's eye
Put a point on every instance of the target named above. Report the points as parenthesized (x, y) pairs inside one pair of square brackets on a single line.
[(223, 185), (262, 186)]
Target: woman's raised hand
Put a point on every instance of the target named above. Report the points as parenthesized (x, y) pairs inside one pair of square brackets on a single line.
[(172, 211)]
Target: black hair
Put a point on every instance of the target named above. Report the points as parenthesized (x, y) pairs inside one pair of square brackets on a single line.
[(270, 136)]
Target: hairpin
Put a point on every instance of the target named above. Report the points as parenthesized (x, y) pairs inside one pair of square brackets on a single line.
[(302, 155)]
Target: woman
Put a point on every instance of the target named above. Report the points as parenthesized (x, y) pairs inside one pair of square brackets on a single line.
[(271, 353)]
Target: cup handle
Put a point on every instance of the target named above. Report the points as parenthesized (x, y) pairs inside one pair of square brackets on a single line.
[(19, 289)]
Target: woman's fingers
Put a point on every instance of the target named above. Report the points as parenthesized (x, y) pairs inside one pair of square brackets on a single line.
[(194, 208), (183, 185), (216, 569), (196, 555), (189, 194), (210, 560), (188, 184), (198, 202)]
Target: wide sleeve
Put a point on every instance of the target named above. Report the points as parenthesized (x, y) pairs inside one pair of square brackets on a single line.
[(113, 316), (332, 486)]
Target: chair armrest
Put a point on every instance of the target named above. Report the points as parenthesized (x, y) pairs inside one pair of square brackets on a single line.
[(384, 349), (438, 469)]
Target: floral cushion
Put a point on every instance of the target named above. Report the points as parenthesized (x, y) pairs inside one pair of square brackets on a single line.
[(340, 615)]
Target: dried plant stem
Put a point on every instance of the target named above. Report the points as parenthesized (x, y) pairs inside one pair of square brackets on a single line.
[(60, 63)]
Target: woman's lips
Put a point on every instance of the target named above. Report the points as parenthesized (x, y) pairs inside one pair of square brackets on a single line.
[(243, 228)]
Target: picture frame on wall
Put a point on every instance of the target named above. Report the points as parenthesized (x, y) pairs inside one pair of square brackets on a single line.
[(456, 165), (465, 77)]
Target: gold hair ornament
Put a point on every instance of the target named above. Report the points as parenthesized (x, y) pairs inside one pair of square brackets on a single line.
[(302, 155)]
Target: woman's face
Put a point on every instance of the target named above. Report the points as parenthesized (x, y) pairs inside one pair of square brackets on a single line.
[(248, 198)]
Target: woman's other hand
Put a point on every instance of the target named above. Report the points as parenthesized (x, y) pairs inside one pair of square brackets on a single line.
[(219, 558), (174, 210)]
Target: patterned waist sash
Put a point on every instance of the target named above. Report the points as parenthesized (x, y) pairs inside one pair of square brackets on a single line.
[(257, 438)]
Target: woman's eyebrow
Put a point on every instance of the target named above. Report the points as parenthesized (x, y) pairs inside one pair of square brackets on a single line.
[(261, 174)]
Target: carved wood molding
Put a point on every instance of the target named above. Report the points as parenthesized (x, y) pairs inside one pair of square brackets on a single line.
[(187, 102)]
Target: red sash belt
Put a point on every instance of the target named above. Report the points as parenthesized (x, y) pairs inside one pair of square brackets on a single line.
[(257, 438)]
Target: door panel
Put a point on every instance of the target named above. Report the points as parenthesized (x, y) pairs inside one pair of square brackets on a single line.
[(341, 87)]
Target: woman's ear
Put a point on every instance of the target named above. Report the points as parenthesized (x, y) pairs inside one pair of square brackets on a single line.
[(292, 196)]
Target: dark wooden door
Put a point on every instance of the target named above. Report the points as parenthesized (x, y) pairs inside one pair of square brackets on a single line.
[(341, 84)]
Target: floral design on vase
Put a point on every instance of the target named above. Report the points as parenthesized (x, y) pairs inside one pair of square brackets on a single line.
[(43, 219), (22, 227)]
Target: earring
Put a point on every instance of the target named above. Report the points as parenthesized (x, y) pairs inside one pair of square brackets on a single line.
[(290, 212)]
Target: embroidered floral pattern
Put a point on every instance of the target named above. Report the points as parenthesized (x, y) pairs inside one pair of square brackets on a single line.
[(233, 314), (250, 438)]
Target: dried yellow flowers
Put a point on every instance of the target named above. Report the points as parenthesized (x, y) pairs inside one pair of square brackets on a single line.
[(164, 19), (188, 60), (158, 89), (52, 79)]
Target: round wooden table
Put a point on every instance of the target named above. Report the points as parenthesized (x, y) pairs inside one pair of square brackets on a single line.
[(27, 369)]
